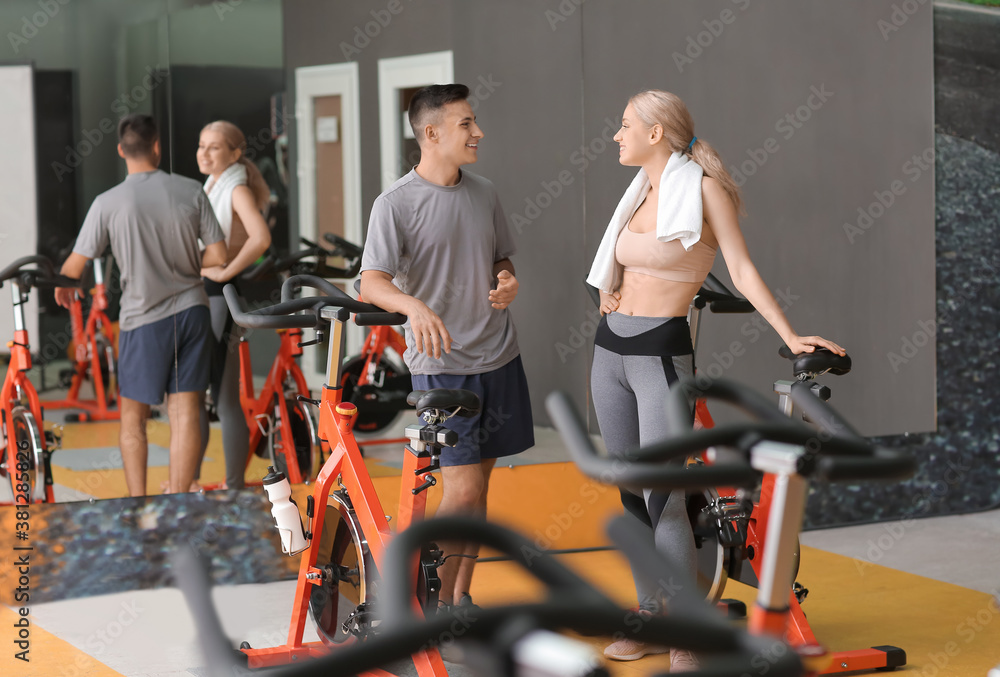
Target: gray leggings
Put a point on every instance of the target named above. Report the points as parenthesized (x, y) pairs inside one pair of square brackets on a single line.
[(235, 433), (629, 394)]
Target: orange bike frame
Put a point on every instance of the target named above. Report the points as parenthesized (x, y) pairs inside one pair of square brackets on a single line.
[(17, 379), (85, 339), (256, 408), (347, 467), (790, 623)]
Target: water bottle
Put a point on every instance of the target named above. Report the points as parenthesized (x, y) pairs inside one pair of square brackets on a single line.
[(286, 514)]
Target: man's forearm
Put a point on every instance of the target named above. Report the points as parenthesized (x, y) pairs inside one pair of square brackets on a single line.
[(74, 266), (381, 292), (503, 264)]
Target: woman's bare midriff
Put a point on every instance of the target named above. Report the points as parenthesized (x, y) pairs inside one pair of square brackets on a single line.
[(648, 296), (237, 237)]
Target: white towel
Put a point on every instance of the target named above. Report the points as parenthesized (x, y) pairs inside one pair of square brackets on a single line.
[(678, 215), (220, 194)]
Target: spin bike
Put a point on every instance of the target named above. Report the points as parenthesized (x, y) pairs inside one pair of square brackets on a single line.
[(27, 447), (789, 453), (95, 357), (730, 526), (347, 532), (514, 640), (281, 425)]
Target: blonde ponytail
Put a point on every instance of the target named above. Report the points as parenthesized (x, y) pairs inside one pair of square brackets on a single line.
[(654, 106)]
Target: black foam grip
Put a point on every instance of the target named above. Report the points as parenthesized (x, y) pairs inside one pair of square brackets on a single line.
[(379, 319), (885, 466), (349, 249)]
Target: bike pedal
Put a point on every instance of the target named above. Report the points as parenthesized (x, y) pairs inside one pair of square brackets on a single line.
[(801, 592), (53, 440)]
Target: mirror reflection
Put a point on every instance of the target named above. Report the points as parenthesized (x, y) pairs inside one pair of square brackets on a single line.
[(80, 68)]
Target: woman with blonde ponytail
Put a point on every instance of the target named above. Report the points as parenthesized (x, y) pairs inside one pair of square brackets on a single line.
[(239, 196), (679, 211)]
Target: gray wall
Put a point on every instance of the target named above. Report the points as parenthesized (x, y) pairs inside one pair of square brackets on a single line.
[(565, 70)]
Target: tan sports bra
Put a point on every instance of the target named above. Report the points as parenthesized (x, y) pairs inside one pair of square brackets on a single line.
[(642, 253)]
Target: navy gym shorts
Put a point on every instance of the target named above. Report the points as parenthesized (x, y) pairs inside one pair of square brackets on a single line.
[(146, 356), (503, 427)]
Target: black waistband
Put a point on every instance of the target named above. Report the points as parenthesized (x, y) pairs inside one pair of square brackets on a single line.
[(213, 288), (671, 338)]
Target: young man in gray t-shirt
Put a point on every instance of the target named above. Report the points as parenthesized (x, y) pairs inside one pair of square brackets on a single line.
[(442, 236), (153, 222)]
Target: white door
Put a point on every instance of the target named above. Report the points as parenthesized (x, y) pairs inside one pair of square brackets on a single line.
[(327, 112)]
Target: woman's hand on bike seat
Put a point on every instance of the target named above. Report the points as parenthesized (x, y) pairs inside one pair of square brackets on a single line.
[(817, 362)]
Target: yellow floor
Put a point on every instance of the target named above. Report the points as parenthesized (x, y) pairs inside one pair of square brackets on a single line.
[(934, 622)]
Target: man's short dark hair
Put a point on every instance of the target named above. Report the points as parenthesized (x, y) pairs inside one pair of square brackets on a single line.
[(429, 101), (137, 133)]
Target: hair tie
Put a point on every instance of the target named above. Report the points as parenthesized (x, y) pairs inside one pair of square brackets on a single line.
[(691, 145)]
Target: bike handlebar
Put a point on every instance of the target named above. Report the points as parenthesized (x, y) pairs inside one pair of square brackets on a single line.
[(349, 249), (284, 315), (634, 474), (272, 263), (719, 299), (370, 316), (572, 603), (44, 276), (836, 457)]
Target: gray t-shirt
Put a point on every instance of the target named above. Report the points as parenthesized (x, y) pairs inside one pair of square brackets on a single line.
[(440, 244), (153, 221)]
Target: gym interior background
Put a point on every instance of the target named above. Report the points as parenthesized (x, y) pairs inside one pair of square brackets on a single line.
[(865, 140)]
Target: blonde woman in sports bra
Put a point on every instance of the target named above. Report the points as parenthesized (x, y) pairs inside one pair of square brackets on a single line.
[(679, 212)]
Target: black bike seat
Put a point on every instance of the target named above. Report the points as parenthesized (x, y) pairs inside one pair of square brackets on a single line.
[(445, 398), (820, 361)]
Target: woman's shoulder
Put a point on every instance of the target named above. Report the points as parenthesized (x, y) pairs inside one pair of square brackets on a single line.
[(713, 192), (711, 185), (242, 190)]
